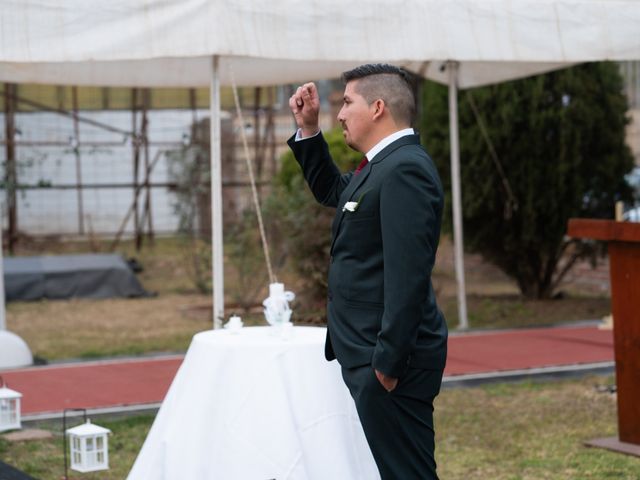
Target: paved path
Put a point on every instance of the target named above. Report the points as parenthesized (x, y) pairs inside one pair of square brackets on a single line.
[(531, 348), (142, 383)]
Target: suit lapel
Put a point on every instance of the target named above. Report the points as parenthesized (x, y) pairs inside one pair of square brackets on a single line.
[(358, 180), (355, 182)]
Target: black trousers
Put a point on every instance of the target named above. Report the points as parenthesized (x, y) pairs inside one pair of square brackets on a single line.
[(398, 425)]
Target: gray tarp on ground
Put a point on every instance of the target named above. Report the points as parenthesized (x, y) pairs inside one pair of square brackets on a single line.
[(70, 276)]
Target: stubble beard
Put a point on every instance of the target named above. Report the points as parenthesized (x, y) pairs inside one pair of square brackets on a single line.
[(345, 135)]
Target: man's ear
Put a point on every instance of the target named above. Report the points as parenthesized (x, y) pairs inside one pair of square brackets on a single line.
[(379, 108)]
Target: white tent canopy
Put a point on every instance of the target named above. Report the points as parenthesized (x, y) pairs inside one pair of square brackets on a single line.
[(157, 43), (170, 42)]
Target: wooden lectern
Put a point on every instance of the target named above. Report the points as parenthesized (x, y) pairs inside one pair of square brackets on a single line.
[(624, 268)]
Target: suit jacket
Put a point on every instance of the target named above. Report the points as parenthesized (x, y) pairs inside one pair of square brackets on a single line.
[(381, 308)]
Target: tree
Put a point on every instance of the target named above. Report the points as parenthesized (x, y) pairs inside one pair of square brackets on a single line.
[(557, 151)]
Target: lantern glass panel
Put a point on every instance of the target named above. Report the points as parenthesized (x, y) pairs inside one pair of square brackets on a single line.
[(9, 413), (13, 410), (75, 450)]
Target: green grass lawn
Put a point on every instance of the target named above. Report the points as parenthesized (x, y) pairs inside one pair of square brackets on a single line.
[(44, 459), (513, 311), (522, 431), (529, 431)]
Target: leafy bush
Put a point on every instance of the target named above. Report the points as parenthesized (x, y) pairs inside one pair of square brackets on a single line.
[(560, 151)]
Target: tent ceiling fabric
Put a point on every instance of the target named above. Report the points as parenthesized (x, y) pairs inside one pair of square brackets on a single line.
[(170, 42)]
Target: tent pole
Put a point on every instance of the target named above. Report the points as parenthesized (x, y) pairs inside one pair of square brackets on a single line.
[(3, 321), (458, 239), (10, 175), (216, 197)]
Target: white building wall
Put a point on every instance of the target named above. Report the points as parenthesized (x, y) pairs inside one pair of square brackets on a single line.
[(48, 211)]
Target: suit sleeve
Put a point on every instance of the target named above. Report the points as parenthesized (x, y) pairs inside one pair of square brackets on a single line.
[(323, 177), (410, 212)]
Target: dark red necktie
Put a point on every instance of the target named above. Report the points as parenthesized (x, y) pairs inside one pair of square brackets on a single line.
[(363, 163)]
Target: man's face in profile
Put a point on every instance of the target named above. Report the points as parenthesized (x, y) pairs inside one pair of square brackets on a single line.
[(355, 116)]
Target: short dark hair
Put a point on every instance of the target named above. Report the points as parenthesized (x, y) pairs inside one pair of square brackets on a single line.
[(386, 82)]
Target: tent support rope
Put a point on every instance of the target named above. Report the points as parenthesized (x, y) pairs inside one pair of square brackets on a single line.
[(254, 190)]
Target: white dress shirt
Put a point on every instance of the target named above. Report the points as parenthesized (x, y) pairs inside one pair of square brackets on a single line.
[(378, 147)]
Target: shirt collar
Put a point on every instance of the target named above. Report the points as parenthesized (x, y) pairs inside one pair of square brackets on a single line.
[(377, 148)]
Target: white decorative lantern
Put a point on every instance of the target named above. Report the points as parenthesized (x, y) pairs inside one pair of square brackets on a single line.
[(89, 447), (9, 408)]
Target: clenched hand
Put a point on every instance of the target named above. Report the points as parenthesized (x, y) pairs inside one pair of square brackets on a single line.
[(305, 106)]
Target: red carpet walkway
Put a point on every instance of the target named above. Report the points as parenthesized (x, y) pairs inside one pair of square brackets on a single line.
[(142, 383)]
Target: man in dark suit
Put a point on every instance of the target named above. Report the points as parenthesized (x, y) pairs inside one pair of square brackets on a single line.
[(384, 326)]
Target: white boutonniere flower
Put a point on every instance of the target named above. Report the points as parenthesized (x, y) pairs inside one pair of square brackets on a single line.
[(350, 206), (353, 206)]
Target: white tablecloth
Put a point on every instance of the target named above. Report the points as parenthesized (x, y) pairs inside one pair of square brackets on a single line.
[(254, 406)]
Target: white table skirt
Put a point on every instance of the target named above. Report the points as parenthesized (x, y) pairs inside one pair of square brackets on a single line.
[(254, 406)]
